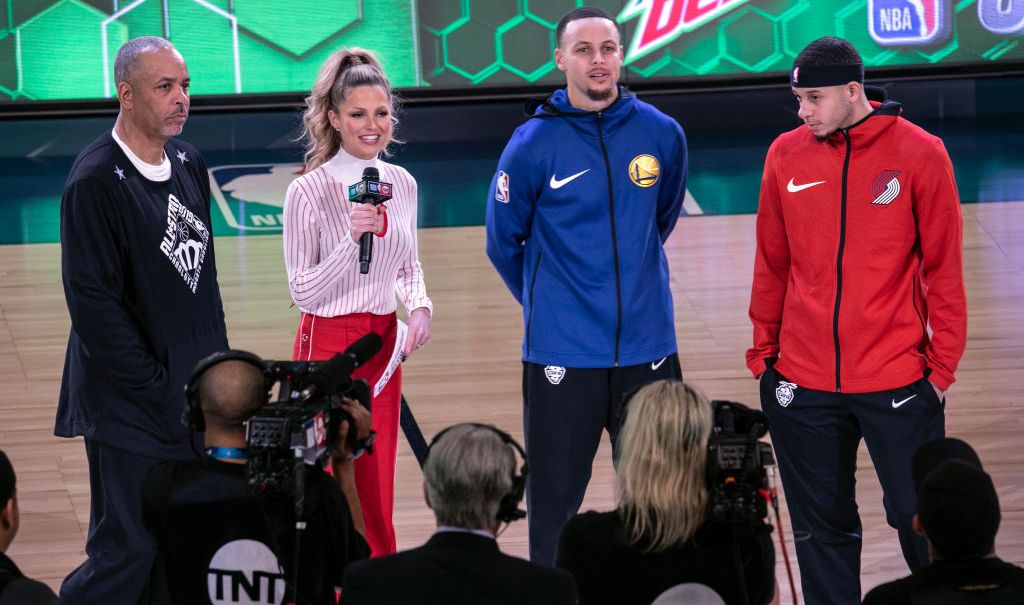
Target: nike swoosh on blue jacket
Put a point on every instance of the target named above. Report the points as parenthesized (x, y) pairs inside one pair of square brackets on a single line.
[(553, 246)]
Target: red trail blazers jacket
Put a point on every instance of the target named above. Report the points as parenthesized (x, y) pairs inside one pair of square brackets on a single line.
[(858, 277)]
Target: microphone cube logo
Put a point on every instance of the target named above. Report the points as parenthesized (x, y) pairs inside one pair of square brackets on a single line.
[(357, 189), (250, 197), (908, 22)]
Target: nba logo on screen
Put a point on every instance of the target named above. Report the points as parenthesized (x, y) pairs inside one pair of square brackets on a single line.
[(908, 22), (250, 197)]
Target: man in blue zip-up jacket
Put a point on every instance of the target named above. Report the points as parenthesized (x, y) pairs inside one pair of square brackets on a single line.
[(585, 195)]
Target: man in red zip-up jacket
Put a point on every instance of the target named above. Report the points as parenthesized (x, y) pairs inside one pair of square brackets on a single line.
[(858, 309)]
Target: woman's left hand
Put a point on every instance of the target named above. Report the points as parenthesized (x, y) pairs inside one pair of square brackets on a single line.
[(419, 330)]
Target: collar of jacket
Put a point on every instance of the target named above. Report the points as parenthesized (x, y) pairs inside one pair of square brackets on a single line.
[(868, 130), (8, 568), (462, 540), (556, 105)]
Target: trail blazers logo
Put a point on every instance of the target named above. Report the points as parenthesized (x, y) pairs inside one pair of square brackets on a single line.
[(185, 242), (886, 187)]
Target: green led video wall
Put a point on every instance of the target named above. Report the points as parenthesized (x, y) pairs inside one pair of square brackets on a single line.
[(64, 49)]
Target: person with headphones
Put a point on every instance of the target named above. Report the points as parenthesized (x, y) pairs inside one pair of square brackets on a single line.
[(471, 484), (214, 539)]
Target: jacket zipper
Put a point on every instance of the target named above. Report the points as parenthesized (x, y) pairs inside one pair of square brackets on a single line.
[(839, 257), (533, 282), (615, 245), (917, 309)]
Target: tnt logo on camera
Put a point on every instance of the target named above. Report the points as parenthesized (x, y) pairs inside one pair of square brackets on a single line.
[(908, 22)]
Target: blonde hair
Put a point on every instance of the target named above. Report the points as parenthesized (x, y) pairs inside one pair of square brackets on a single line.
[(344, 70), (661, 466)]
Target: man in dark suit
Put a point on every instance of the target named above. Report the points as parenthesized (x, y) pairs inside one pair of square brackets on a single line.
[(470, 482)]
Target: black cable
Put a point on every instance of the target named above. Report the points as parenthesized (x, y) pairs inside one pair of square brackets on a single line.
[(782, 537), (300, 525), (413, 434)]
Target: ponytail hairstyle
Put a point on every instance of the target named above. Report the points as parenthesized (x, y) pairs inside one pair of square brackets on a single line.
[(344, 70)]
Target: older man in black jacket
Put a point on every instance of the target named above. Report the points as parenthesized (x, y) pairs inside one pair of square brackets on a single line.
[(473, 488), (141, 287)]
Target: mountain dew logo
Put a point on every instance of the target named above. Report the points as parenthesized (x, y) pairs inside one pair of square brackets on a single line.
[(662, 21)]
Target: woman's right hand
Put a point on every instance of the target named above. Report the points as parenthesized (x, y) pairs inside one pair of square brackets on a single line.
[(365, 218)]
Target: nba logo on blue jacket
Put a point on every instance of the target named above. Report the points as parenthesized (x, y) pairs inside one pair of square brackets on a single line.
[(908, 22)]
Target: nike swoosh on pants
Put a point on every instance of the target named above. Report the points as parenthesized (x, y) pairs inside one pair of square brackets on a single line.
[(896, 404)]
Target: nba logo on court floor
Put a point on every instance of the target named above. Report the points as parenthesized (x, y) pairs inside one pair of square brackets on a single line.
[(908, 22)]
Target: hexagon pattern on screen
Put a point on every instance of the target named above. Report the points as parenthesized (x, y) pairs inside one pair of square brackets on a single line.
[(54, 49), (296, 25)]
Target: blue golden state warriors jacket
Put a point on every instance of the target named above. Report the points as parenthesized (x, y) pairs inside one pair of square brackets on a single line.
[(576, 217)]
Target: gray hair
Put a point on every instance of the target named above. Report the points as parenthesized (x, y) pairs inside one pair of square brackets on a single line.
[(468, 471), (128, 59)]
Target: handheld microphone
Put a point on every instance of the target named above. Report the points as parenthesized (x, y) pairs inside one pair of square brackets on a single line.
[(337, 371), (369, 190)]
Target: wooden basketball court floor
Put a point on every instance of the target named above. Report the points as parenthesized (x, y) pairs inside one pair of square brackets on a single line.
[(470, 371)]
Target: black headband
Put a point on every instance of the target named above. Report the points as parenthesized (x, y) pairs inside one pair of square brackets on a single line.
[(807, 76)]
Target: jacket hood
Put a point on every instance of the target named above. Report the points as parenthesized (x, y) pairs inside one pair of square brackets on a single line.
[(557, 105)]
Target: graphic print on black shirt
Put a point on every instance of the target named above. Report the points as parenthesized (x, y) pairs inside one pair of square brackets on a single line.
[(185, 241)]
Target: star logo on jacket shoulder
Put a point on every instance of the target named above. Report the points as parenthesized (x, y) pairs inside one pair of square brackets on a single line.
[(119, 172), (182, 157), (784, 393), (886, 187), (554, 374), (644, 170)]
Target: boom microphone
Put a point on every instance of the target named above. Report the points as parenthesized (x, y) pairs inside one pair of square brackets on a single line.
[(369, 190), (337, 371)]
